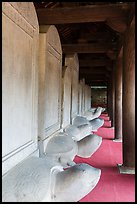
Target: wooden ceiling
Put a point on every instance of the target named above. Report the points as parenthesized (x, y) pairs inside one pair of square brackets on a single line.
[(94, 30)]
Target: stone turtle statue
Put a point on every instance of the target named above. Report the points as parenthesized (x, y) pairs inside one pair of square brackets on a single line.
[(44, 180), (96, 123), (62, 148), (87, 145), (90, 115), (87, 126)]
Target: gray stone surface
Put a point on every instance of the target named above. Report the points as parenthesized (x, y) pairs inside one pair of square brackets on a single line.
[(88, 145), (76, 182), (90, 118), (85, 130), (96, 123), (29, 181), (50, 71), (73, 132), (66, 93), (125, 170), (80, 120), (74, 63), (94, 109), (81, 97), (43, 180), (63, 148), (20, 39), (78, 133), (92, 115), (80, 92), (103, 109), (87, 97)]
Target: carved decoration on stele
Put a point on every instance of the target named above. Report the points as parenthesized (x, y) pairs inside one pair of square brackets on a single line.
[(74, 63), (50, 71), (79, 98), (66, 92), (20, 32)]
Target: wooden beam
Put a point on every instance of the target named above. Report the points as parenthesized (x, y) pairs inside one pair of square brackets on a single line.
[(81, 14), (119, 25), (91, 71), (109, 68), (103, 68), (86, 48), (94, 76), (112, 54), (96, 82), (98, 36), (93, 62), (101, 83)]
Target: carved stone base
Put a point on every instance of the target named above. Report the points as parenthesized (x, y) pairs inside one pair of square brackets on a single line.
[(117, 140), (88, 145), (96, 123), (92, 115), (78, 133), (126, 170)]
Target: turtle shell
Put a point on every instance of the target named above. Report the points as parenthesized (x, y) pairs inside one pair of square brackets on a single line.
[(61, 143)]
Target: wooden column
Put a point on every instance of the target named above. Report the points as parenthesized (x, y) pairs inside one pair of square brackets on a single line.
[(113, 97), (109, 98), (128, 98), (118, 98), (107, 109)]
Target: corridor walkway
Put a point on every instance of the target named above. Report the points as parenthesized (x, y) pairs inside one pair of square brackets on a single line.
[(112, 186)]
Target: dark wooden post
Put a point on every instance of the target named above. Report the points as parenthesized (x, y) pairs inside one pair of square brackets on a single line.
[(113, 96), (128, 101), (118, 98), (109, 97)]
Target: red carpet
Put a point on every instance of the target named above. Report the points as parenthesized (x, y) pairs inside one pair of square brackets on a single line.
[(106, 133), (104, 114), (112, 186), (106, 118), (107, 123)]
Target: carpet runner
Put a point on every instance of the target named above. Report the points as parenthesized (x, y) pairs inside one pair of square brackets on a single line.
[(112, 186)]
